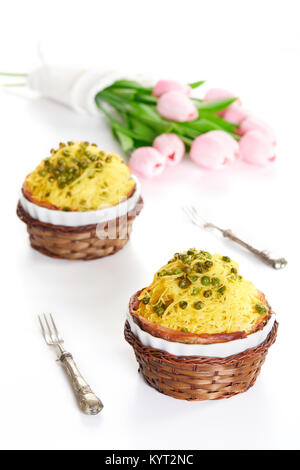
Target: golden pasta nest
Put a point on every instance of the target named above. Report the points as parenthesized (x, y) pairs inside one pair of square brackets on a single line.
[(79, 177), (200, 293)]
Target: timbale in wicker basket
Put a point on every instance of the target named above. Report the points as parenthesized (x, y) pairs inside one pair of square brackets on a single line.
[(79, 203), (195, 376)]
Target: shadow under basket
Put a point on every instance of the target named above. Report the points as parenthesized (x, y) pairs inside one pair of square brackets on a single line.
[(85, 242), (197, 377)]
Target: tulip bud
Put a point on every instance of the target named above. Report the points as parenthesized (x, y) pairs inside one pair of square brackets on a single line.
[(215, 94), (147, 162), (171, 146), (235, 114), (257, 149), (214, 150), (164, 86), (254, 124), (175, 106)]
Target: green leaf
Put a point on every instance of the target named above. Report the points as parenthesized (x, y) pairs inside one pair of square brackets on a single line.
[(222, 123), (141, 97), (214, 106), (196, 84), (148, 115), (126, 142), (130, 84), (142, 129)]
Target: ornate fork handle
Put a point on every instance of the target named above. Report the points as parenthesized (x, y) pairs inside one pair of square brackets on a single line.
[(89, 402), (276, 263)]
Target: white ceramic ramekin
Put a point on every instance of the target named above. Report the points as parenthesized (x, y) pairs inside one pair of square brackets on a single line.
[(209, 350), (76, 219)]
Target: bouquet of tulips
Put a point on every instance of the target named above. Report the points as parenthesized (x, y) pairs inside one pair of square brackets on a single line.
[(156, 125)]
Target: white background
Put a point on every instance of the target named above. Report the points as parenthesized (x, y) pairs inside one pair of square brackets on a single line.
[(251, 48)]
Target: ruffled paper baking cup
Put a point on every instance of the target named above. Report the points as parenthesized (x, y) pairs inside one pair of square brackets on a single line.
[(208, 350), (76, 218)]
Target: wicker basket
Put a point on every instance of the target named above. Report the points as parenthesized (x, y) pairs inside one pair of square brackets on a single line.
[(200, 378), (78, 243)]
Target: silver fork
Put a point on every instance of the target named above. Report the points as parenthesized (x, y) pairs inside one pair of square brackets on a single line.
[(88, 401), (197, 219)]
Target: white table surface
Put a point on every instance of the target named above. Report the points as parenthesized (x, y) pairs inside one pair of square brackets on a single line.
[(233, 48)]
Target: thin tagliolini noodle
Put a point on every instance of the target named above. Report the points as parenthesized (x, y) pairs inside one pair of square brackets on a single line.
[(201, 293), (80, 177)]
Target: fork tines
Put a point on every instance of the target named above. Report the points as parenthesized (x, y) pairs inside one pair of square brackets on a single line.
[(49, 330)]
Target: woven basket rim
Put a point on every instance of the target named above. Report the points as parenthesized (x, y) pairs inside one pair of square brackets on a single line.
[(173, 359)]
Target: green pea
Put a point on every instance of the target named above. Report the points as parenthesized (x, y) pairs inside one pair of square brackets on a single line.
[(162, 273), (205, 280), (51, 179), (183, 304), (198, 305), (184, 330), (146, 300), (226, 259), (215, 281), (195, 291), (185, 259), (178, 271), (42, 172), (84, 164), (199, 268), (190, 252), (160, 311), (194, 278), (233, 270), (208, 264), (66, 209), (222, 290), (260, 309), (183, 283), (207, 293)]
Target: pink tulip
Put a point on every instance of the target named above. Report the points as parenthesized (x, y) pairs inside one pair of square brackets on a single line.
[(147, 162), (164, 86), (215, 94), (175, 106), (257, 149), (235, 114), (254, 124), (171, 146), (214, 150)]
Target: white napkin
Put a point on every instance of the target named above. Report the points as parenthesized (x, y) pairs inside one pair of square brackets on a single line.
[(74, 87)]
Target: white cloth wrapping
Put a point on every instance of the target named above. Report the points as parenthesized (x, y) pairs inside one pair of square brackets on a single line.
[(208, 350), (75, 87)]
